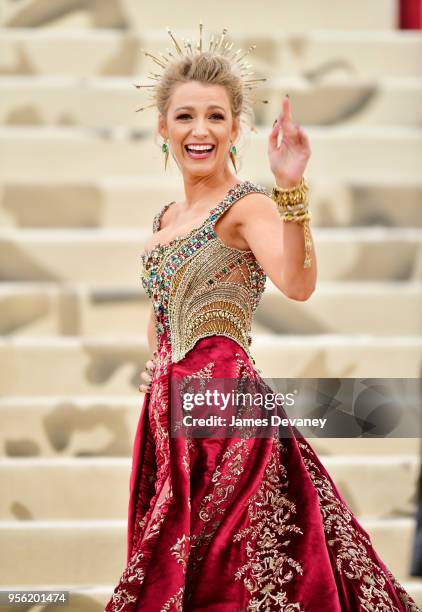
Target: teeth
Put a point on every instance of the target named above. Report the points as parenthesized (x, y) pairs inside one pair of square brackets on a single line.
[(199, 147)]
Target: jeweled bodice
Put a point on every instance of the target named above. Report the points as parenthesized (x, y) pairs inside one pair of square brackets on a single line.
[(199, 286)]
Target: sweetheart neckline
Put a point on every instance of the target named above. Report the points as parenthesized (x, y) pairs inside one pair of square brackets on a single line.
[(215, 237), (164, 245)]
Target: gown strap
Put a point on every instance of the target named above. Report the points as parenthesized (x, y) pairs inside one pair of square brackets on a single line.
[(156, 223), (242, 189)]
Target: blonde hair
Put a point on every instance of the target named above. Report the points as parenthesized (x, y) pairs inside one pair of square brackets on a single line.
[(211, 68)]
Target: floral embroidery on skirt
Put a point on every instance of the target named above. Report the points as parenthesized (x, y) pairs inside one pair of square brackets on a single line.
[(239, 525)]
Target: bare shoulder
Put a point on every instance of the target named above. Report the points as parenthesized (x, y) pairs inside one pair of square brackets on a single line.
[(251, 204)]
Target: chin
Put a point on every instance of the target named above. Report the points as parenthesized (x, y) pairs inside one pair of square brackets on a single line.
[(199, 168)]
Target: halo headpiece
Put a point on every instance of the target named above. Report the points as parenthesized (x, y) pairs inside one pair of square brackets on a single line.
[(216, 45)]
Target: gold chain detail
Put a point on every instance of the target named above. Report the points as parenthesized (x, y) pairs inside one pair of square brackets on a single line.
[(292, 204)]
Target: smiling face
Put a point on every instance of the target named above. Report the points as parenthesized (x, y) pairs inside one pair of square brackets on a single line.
[(200, 127)]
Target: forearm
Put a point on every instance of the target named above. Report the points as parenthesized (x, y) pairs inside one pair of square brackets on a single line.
[(298, 282)]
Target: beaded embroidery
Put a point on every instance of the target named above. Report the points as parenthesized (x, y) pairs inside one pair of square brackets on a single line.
[(351, 544), (269, 568), (201, 287)]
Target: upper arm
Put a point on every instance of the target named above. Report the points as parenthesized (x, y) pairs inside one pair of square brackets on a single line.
[(259, 223)]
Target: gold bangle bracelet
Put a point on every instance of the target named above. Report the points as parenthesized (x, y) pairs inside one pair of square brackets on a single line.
[(292, 205), (291, 195)]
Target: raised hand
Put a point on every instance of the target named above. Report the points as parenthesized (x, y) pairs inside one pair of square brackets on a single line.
[(288, 161)]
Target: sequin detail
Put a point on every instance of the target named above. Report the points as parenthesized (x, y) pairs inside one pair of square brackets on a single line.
[(201, 287)]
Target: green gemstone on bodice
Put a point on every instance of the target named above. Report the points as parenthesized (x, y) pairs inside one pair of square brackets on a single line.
[(162, 264)]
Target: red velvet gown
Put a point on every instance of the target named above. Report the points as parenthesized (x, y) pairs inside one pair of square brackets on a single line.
[(232, 524)]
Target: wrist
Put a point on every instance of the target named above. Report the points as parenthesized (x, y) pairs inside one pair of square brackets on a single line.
[(286, 183)]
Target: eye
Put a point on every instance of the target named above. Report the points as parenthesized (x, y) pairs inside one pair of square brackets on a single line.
[(217, 115)]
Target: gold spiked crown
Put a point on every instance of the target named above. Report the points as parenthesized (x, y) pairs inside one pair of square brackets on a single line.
[(215, 45)]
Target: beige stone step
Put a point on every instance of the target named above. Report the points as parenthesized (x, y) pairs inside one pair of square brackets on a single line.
[(96, 550), (342, 153), (64, 14), (32, 552), (31, 309), (380, 15), (112, 364), (389, 308), (48, 489), (132, 202), (51, 309), (105, 426), (365, 203), (74, 426), (104, 202), (365, 483), (79, 488), (318, 54), (47, 100), (370, 447), (114, 255), (330, 355)]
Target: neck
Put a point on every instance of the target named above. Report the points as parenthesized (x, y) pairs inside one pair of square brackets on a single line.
[(202, 188)]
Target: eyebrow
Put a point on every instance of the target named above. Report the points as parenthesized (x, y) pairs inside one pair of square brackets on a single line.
[(192, 108)]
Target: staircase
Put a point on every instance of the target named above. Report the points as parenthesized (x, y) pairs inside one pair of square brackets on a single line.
[(80, 181)]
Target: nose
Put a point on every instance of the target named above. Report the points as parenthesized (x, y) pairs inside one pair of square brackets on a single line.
[(200, 128)]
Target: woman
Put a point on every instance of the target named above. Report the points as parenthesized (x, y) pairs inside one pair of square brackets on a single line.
[(222, 524)]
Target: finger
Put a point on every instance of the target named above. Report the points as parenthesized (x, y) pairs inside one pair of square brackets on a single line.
[(273, 137), (144, 388), (150, 367), (303, 134), (284, 123), (286, 112), (289, 128), (146, 376), (303, 138)]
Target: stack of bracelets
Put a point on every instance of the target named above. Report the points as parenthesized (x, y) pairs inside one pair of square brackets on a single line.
[(292, 204)]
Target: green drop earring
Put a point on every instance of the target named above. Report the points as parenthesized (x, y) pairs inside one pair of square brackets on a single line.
[(233, 153), (165, 150)]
